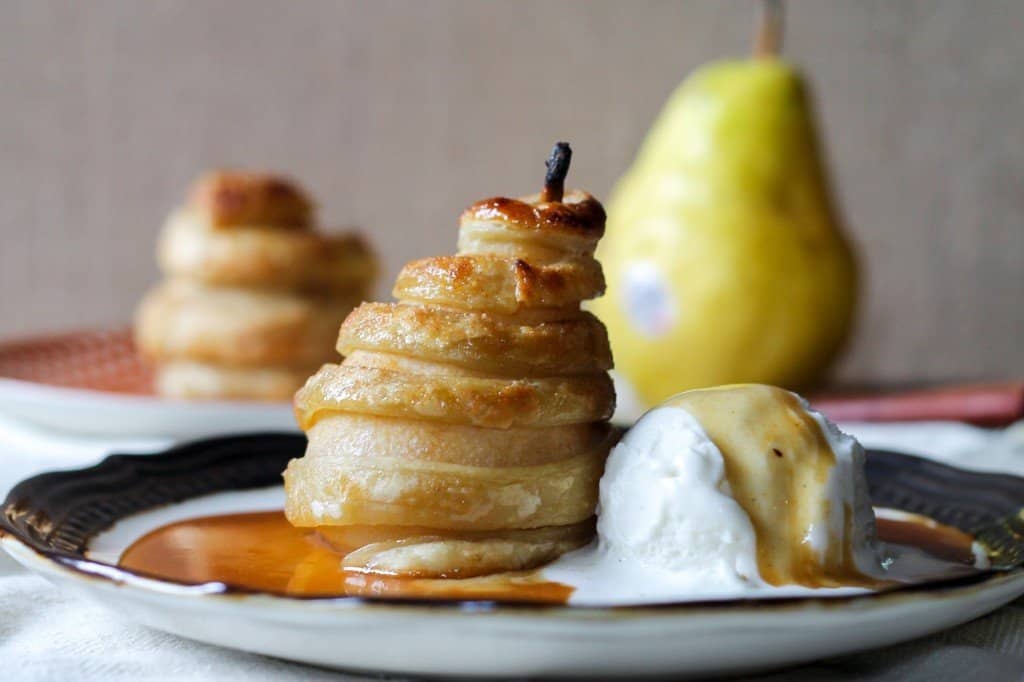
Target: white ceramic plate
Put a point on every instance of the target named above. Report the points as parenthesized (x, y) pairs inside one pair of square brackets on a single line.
[(98, 413), (504, 641), (54, 525)]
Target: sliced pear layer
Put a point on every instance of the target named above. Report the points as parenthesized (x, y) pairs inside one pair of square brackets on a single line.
[(185, 320), (200, 380), (502, 346), (349, 435), (475, 401), (500, 284), (337, 486), (264, 257), (436, 554)]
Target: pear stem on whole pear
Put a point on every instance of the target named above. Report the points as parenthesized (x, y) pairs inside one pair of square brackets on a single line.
[(768, 35), (558, 167)]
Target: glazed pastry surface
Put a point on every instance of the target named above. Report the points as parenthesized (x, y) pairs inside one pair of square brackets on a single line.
[(473, 412)]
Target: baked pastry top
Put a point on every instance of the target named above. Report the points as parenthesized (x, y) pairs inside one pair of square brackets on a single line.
[(256, 230), (232, 198), (254, 293), (472, 412)]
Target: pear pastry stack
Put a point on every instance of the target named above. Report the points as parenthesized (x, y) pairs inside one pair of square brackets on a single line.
[(466, 429), (253, 295)]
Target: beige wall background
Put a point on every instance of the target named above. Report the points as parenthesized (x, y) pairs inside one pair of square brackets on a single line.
[(398, 114)]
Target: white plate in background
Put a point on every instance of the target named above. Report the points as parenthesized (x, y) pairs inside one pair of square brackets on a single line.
[(93, 383), (97, 413)]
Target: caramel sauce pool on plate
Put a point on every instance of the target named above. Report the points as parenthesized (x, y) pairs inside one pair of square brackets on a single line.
[(262, 551)]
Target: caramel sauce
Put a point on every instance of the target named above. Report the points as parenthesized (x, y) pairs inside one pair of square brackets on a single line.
[(935, 539), (262, 551), (778, 462)]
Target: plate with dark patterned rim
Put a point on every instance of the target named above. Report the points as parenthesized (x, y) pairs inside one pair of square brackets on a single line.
[(55, 523)]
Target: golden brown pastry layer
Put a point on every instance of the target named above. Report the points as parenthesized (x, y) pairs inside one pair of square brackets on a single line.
[(498, 284), (430, 553), (497, 403), (348, 435), (230, 198), (264, 257), (578, 213), (181, 320), (538, 233), (198, 381), (341, 482), (481, 341)]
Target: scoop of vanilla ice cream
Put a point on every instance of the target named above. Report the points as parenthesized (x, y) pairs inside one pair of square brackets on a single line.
[(666, 500)]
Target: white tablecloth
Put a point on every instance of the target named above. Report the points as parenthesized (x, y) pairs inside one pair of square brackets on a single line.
[(47, 635)]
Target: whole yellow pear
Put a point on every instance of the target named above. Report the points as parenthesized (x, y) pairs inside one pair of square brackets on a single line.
[(725, 259)]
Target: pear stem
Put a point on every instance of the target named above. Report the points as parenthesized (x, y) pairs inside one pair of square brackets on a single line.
[(768, 34), (558, 167)]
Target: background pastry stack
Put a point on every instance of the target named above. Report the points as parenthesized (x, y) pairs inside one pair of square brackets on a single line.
[(253, 295), (466, 430)]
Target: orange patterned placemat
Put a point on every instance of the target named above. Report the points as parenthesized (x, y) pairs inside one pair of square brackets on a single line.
[(89, 359)]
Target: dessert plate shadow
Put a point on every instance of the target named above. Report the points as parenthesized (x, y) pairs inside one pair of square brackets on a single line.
[(94, 383), (71, 526)]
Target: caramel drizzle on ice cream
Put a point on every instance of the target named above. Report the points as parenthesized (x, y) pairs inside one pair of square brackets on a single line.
[(778, 464)]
